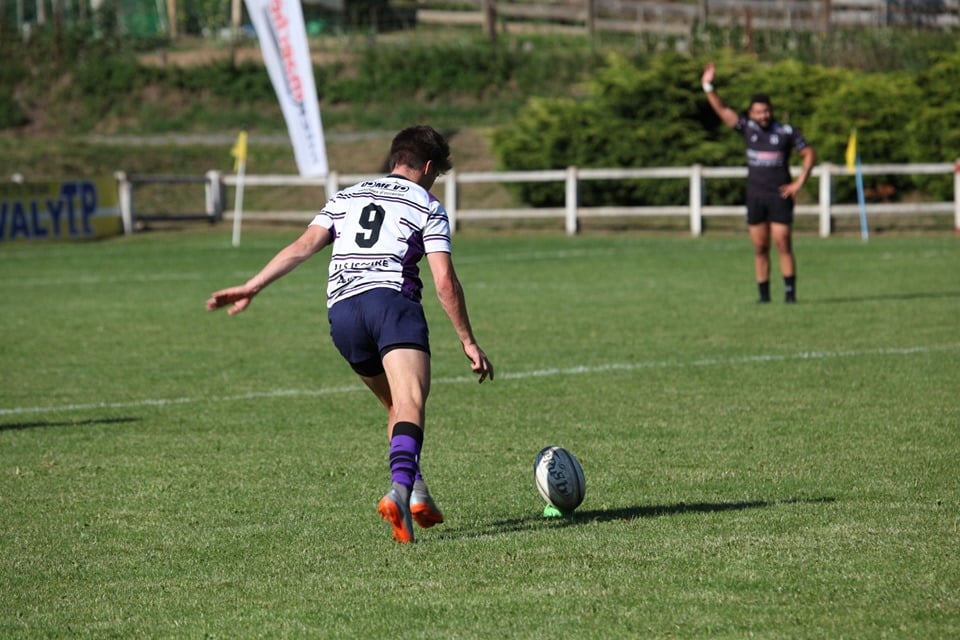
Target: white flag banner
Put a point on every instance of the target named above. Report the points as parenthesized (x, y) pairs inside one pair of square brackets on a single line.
[(286, 54)]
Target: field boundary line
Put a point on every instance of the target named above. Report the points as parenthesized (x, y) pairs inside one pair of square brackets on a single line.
[(519, 375)]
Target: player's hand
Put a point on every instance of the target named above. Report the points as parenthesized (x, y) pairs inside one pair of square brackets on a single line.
[(708, 73), (479, 362), (239, 297), (789, 190)]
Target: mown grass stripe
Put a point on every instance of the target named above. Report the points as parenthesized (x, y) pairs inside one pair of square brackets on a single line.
[(519, 375)]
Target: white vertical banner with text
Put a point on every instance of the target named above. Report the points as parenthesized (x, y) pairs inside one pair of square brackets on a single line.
[(286, 54)]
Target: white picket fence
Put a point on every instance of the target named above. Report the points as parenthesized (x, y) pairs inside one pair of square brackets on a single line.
[(216, 184)]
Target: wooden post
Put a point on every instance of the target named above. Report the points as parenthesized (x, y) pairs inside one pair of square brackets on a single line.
[(748, 28), (826, 195), (451, 198), (172, 18), (125, 200), (826, 16), (704, 13), (489, 8), (236, 14), (57, 8), (571, 201), (696, 200), (956, 196), (591, 17), (215, 194)]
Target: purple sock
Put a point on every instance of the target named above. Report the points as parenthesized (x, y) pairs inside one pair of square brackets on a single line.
[(405, 453)]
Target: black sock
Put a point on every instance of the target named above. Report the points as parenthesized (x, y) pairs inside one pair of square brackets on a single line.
[(790, 287), (764, 288)]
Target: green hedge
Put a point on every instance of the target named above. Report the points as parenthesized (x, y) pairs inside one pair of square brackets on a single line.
[(103, 80), (12, 72), (564, 100), (652, 113)]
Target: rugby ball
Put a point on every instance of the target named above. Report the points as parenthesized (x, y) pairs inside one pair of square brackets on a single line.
[(559, 478)]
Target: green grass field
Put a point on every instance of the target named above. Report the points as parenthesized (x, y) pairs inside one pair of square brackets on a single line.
[(752, 471)]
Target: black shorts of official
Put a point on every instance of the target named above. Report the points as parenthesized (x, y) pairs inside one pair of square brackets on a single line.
[(367, 326), (771, 208)]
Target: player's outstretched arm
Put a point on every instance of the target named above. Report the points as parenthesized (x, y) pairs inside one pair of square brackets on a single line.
[(727, 115), (239, 298), (450, 293)]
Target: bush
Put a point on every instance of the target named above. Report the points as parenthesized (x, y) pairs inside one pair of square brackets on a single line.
[(12, 72), (466, 68), (11, 114), (630, 117), (589, 107), (934, 130), (237, 82), (650, 113)]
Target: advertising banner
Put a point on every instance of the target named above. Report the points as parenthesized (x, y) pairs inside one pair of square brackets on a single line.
[(67, 210), (286, 54)]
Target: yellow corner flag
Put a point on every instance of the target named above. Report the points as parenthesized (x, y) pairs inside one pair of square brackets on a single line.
[(853, 166), (852, 152), (239, 151)]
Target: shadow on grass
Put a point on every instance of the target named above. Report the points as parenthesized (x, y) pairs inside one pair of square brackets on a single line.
[(39, 424), (537, 522), (878, 298)]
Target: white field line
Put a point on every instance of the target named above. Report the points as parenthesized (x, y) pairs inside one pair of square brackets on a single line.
[(100, 279), (519, 375), (94, 280)]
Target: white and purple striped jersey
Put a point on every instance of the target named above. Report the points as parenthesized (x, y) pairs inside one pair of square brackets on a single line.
[(381, 229)]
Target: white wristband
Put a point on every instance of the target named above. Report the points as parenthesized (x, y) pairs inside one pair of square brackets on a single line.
[(707, 87)]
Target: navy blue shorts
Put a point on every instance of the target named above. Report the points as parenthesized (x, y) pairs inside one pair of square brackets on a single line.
[(367, 326), (771, 208)]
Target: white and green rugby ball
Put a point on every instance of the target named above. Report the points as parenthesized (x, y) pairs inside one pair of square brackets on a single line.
[(559, 478)]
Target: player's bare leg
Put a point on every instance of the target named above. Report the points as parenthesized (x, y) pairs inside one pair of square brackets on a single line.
[(408, 373), (403, 389), (381, 389), (783, 240), (760, 237)]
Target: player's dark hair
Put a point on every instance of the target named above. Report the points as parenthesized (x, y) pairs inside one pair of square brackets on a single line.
[(415, 145), (760, 98)]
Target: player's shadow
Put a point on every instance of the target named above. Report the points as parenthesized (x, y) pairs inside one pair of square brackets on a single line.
[(883, 297), (42, 424), (538, 522)]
